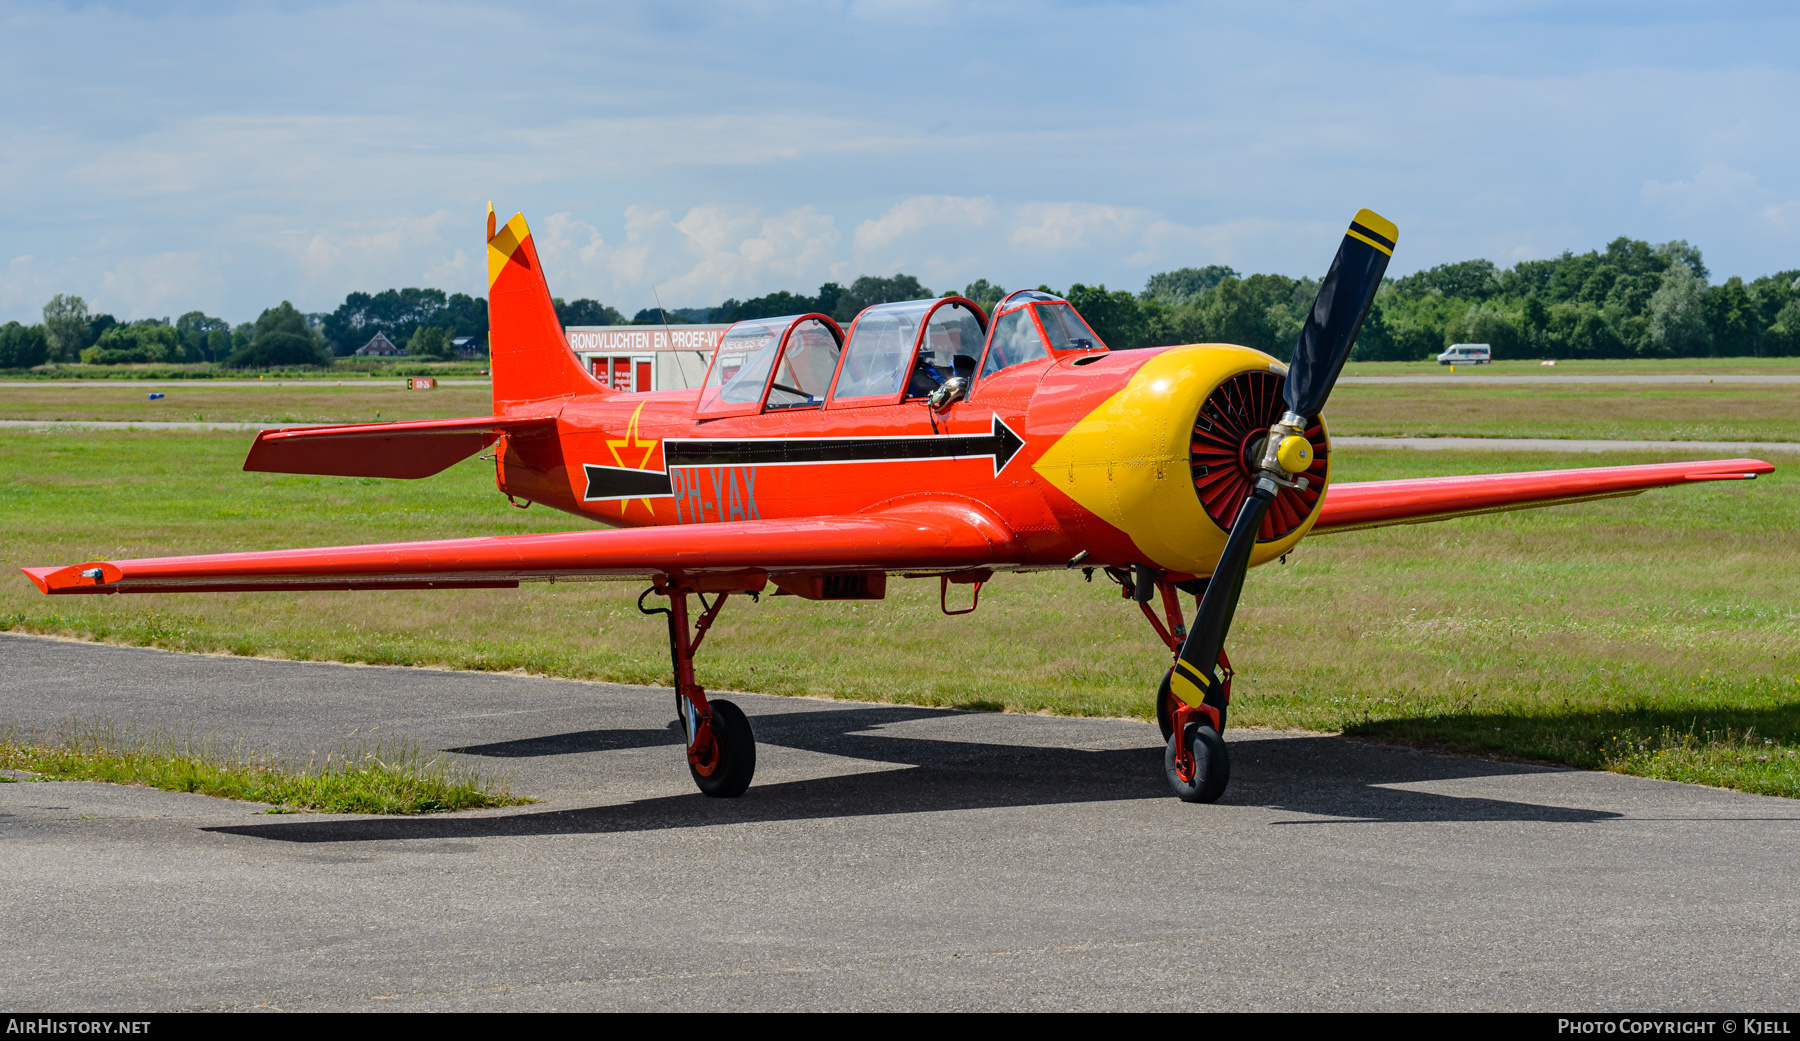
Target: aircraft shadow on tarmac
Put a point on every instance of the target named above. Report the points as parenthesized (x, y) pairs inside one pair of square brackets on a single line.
[(1330, 780)]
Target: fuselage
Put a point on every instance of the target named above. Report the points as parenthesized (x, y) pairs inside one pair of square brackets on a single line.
[(1081, 451)]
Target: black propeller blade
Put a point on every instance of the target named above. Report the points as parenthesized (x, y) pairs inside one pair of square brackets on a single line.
[(1337, 316), (1338, 313)]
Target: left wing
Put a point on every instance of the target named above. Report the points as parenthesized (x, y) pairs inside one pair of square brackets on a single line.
[(933, 535), (1376, 504)]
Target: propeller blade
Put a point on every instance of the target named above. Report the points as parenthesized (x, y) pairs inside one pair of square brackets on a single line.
[(1194, 678), (1337, 315), (1325, 340)]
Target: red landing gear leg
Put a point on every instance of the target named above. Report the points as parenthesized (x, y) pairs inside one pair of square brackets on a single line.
[(721, 749), (1198, 766), (1169, 707)]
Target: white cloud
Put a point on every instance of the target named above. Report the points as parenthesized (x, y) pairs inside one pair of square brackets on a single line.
[(163, 285), (1722, 196), (1060, 226), (1716, 189), (712, 252)]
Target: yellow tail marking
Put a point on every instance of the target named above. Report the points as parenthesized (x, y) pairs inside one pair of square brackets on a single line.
[(502, 246)]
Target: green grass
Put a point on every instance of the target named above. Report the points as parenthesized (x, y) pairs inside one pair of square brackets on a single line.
[(366, 778), (279, 402), (342, 368), (1656, 412), (1659, 622), (1585, 367)]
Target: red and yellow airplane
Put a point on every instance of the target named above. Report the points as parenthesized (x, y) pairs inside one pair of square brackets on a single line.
[(929, 442)]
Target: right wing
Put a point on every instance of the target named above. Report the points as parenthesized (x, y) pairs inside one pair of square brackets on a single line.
[(1376, 504), (930, 535)]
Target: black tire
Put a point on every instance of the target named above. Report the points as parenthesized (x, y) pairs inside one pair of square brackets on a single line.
[(737, 753), (1165, 704), (1212, 766), (1165, 707)]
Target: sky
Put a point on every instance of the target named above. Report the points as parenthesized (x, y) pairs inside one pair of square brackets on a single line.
[(158, 158)]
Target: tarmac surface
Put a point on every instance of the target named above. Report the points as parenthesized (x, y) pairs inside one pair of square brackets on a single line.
[(887, 857)]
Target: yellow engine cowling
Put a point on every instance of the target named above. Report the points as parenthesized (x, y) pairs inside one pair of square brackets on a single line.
[(1131, 462)]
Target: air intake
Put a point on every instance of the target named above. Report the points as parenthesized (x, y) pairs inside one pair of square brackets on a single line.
[(1228, 433)]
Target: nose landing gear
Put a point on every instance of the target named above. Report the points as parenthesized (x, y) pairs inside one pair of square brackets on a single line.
[(1195, 761)]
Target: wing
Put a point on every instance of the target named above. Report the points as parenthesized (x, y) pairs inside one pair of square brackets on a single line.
[(417, 449), (932, 535), (1375, 504)]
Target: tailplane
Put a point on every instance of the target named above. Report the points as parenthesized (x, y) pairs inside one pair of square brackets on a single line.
[(530, 358)]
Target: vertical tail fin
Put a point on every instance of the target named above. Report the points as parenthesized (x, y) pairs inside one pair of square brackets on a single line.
[(529, 356)]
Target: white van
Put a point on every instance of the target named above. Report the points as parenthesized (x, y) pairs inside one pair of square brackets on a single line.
[(1467, 353)]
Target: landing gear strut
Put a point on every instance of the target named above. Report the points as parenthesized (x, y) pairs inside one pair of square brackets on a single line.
[(721, 749), (1196, 762)]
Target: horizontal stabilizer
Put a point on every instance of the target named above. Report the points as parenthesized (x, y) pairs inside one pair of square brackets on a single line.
[(407, 450), (1375, 504)]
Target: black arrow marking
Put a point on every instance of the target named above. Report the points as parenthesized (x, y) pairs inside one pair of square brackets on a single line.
[(612, 482)]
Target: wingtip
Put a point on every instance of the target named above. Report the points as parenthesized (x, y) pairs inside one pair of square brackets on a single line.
[(74, 578)]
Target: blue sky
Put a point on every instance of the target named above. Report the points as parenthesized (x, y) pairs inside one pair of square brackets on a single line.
[(159, 158)]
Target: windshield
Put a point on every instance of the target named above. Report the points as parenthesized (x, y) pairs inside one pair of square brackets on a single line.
[(1015, 340), (1066, 329), (806, 368), (741, 365), (880, 350)]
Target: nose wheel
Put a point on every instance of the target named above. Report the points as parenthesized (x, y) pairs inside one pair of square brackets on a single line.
[(1201, 774), (1196, 763)]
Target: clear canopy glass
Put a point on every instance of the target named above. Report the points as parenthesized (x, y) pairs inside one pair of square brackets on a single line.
[(952, 346), (1065, 327), (1015, 341), (804, 373), (880, 352), (741, 364)]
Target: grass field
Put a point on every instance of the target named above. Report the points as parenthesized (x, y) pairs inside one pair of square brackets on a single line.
[(1580, 367), (1658, 634), (287, 403), (1665, 412), (1699, 412)]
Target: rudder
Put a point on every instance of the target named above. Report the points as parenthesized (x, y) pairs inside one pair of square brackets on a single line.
[(528, 353)]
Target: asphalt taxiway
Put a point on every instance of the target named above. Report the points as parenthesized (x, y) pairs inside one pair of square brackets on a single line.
[(887, 857)]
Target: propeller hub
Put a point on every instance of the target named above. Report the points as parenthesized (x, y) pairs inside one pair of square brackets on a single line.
[(1295, 454)]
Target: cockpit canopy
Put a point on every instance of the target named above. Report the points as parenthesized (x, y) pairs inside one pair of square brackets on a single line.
[(880, 361), (896, 352), (1029, 324), (772, 363)]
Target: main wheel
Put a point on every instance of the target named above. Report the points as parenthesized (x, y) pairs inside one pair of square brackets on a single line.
[(1212, 765), (737, 753)]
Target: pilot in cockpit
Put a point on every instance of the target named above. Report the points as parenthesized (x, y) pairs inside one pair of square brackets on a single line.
[(951, 347)]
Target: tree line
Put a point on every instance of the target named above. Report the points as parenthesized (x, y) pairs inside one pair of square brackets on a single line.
[(1633, 299)]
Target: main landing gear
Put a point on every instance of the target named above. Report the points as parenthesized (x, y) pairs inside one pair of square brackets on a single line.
[(721, 748), (1195, 761)]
